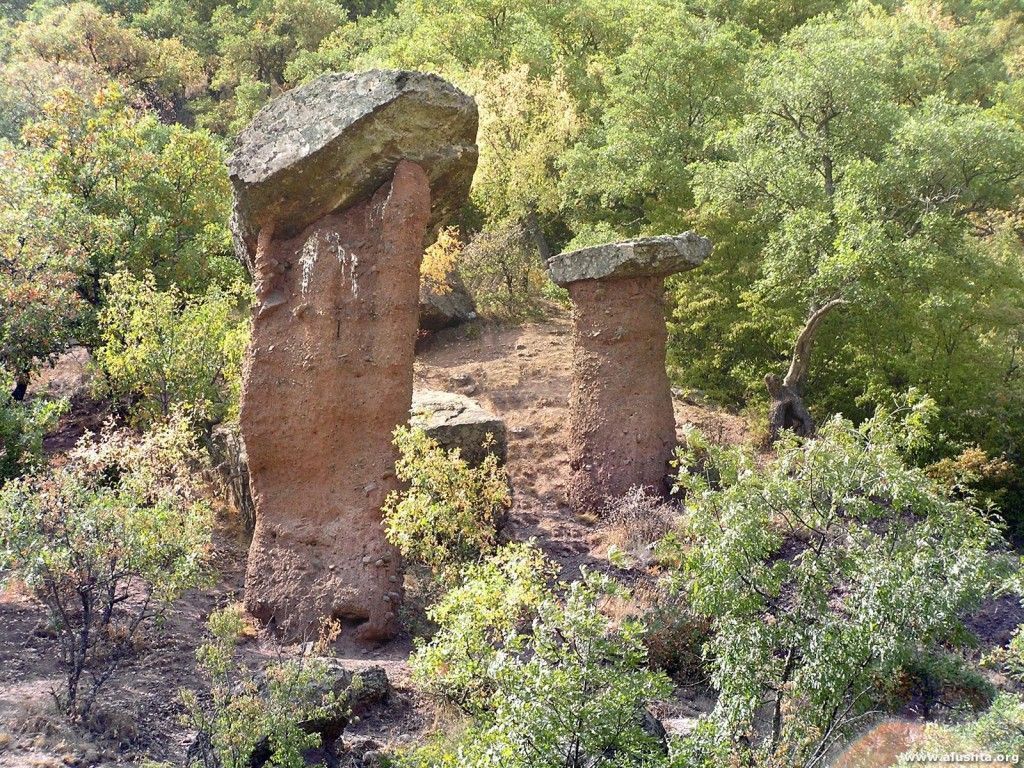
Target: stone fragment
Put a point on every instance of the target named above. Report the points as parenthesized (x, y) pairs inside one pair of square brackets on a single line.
[(445, 306), (621, 424), (456, 421)]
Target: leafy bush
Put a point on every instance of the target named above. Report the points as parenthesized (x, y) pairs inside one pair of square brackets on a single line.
[(504, 272), (440, 260), (243, 714), (40, 310), (548, 678), (675, 635), (105, 542), (1000, 728), (998, 731), (161, 351), (23, 425), (822, 573), (494, 599), (448, 515)]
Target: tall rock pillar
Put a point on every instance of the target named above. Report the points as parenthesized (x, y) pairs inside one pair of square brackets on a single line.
[(621, 425), (338, 185)]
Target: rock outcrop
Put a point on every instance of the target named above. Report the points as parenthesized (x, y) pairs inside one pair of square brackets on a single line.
[(445, 308), (337, 186), (456, 421), (350, 694), (451, 419), (231, 471), (621, 425)]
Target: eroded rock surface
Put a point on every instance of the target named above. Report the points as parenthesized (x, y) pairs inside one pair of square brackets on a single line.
[(336, 189), (621, 425), (456, 421), (324, 145)]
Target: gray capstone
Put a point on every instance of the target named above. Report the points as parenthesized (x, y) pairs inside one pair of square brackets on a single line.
[(649, 256), (332, 142), (456, 421)]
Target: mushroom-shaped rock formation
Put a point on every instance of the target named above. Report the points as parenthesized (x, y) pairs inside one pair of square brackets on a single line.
[(337, 185), (621, 425)]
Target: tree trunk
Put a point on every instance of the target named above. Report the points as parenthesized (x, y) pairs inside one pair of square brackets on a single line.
[(787, 409), (532, 226)]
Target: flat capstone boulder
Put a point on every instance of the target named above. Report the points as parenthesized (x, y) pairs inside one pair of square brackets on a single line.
[(333, 141), (645, 257)]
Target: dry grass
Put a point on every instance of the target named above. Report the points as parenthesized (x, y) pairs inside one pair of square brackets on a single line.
[(637, 521)]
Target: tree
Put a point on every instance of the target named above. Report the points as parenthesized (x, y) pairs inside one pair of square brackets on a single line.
[(823, 573), (526, 124), (449, 514), (164, 71), (105, 542), (39, 307), (816, 168), (161, 352), (142, 196), (667, 94)]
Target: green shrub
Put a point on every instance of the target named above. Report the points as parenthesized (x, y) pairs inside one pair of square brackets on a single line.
[(23, 425), (1000, 728), (162, 351), (474, 619), (448, 515), (242, 714), (675, 637), (105, 542), (823, 573), (546, 676), (998, 731), (504, 272)]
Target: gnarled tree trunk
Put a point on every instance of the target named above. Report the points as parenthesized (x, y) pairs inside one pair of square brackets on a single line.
[(787, 410)]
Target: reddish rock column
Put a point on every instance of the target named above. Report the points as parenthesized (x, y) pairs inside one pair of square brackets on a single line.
[(621, 423), (328, 378), (328, 373)]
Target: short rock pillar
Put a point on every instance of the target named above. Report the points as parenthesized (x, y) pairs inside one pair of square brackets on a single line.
[(337, 186), (621, 424)]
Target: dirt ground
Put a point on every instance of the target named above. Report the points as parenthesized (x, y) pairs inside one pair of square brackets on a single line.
[(520, 373)]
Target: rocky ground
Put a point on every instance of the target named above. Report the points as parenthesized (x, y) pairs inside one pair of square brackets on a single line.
[(520, 373)]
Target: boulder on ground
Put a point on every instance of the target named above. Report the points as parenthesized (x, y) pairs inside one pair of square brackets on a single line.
[(447, 305), (456, 421), (355, 694)]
